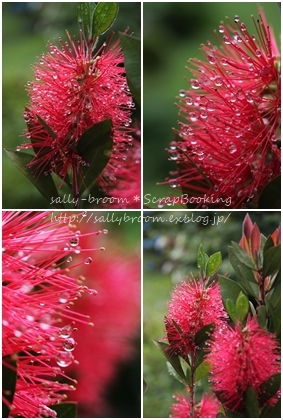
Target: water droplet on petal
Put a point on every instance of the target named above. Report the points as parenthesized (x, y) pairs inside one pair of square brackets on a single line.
[(74, 241), (182, 93), (88, 260), (236, 18), (64, 297), (69, 344), (193, 116), (64, 358), (195, 84)]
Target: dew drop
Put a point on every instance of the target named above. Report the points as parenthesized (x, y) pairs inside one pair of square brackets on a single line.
[(64, 358), (195, 84), (258, 53), (193, 116), (66, 331), (221, 29), (64, 297), (243, 27), (216, 188), (226, 40), (69, 344), (88, 260), (211, 58), (45, 321), (182, 93), (74, 241), (236, 18), (105, 231), (210, 106), (218, 81), (189, 100)]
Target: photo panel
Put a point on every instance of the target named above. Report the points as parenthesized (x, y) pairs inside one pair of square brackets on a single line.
[(212, 314), (71, 314), (71, 105), (212, 72)]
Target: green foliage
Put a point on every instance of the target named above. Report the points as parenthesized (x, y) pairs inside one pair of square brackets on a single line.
[(65, 410), (271, 195), (132, 52), (9, 379)]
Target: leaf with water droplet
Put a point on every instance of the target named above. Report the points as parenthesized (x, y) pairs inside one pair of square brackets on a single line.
[(132, 52), (95, 148), (104, 16), (213, 263), (44, 184)]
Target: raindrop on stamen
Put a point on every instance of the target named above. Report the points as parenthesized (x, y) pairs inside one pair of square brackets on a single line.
[(69, 344), (88, 260), (64, 297), (182, 93), (74, 241), (195, 84)]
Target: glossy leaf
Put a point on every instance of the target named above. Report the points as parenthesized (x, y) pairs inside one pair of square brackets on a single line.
[(65, 410), (172, 358), (241, 307), (95, 148), (202, 260), (268, 244), (213, 264), (44, 183), (247, 281), (203, 335), (271, 261), (240, 256), (271, 412), (104, 16), (251, 403), (230, 308), (202, 371), (229, 289), (261, 316), (269, 388), (270, 197), (132, 52), (84, 18), (46, 126), (173, 372), (9, 380)]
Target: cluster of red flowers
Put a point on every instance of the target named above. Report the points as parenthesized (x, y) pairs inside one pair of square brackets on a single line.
[(38, 321), (72, 91), (229, 146)]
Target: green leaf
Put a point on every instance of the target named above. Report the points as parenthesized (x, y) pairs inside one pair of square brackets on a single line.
[(230, 308), (95, 148), (213, 263), (9, 380), (271, 261), (173, 373), (203, 335), (132, 52), (145, 386), (46, 126), (172, 358), (271, 412), (270, 197), (241, 307), (201, 260), (229, 288), (269, 388), (104, 16), (84, 18), (261, 316), (268, 244), (202, 371), (44, 184), (65, 410), (251, 403), (240, 256)]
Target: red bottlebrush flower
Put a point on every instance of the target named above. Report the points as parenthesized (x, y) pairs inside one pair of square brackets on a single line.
[(72, 91), (228, 148), (125, 191), (192, 307), (111, 340), (38, 321), (241, 358), (207, 408)]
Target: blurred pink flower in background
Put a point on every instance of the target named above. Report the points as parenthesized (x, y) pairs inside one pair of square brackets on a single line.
[(115, 275)]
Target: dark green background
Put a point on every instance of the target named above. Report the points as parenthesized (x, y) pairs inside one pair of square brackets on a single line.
[(173, 33)]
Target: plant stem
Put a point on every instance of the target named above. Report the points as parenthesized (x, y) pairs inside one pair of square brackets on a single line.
[(192, 385)]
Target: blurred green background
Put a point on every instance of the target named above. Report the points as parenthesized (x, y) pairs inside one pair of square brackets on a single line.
[(26, 29), (173, 33), (170, 253)]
